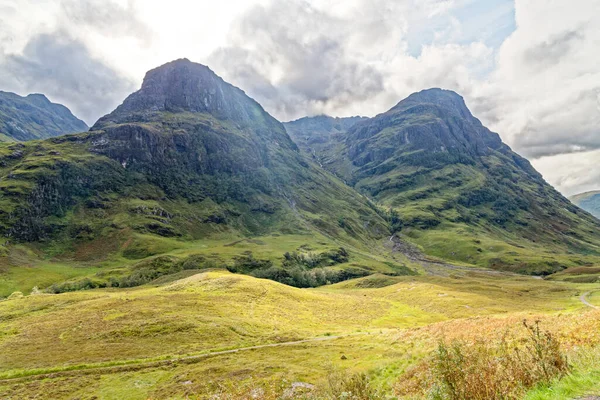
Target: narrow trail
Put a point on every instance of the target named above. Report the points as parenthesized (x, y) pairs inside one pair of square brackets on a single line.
[(584, 300), (438, 268), (135, 365)]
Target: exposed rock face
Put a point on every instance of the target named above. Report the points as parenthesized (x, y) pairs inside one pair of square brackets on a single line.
[(190, 145), (183, 86), (435, 121), (34, 117), (319, 127), (452, 184)]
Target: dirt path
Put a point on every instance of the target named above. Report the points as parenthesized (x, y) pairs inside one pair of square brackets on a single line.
[(125, 366), (584, 300), (437, 268)]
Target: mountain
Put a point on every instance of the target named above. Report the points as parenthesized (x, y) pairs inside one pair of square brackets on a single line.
[(589, 201), (453, 188), (186, 157), (190, 163), (34, 117), (318, 136)]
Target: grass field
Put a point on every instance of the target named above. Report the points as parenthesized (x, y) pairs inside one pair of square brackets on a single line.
[(24, 268), (156, 341)]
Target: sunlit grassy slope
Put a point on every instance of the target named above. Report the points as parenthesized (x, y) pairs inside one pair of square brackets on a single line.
[(385, 324), (24, 267)]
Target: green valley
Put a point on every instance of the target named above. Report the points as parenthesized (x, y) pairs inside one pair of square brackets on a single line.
[(191, 246)]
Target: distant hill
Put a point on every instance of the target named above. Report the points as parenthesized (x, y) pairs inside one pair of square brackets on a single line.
[(317, 136), (589, 201), (34, 117), (456, 190)]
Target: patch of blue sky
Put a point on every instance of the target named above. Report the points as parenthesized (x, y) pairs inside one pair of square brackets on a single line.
[(487, 21)]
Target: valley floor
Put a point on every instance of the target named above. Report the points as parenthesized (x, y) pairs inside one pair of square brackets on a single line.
[(220, 333)]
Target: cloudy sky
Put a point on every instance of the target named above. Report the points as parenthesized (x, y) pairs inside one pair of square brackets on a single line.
[(529, 69)]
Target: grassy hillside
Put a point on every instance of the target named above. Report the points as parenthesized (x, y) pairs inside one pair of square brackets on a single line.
[(118, 343), (24, 268), (166, 170), (34, 117), (186, 248), (453, 188)]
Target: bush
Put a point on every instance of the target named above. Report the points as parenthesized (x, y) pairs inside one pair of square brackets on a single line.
[(247, 263), (139, 274), (341, 385), (302, 278), (298, 269), (311, 260), (484, 371), (394, 220)]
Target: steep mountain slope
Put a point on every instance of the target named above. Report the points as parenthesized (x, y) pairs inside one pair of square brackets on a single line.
[(34, 117), (319, 136), (187, 157), (589, 201), (454, 188)]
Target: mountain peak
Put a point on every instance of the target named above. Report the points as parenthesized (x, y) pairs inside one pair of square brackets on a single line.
[(39, 97), (184, 86), (440, 98)]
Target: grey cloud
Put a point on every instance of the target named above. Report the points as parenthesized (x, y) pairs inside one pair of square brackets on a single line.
[(305, 48), (570, 126), (63, 69), (571, 173), (553, 50), (107, 17)]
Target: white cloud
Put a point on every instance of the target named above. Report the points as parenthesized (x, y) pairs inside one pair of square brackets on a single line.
[(571, 173), (547, 79)]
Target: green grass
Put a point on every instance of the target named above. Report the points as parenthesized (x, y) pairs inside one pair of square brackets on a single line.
[(584, 380), (491, 210), (388, 324), (26, 266)]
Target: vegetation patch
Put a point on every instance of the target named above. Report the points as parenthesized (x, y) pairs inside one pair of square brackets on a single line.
[(481, 370)]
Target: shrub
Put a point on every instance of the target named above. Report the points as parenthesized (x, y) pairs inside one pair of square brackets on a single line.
[(394, 220), (300, 270), (139, 274), (483, 371), (311, 260), (247, 263), (341, 385), (303, 278)]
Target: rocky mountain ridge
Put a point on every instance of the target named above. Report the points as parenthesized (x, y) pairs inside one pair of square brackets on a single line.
[(34, 117), (187, 156), (453, 185), (191, 157)]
